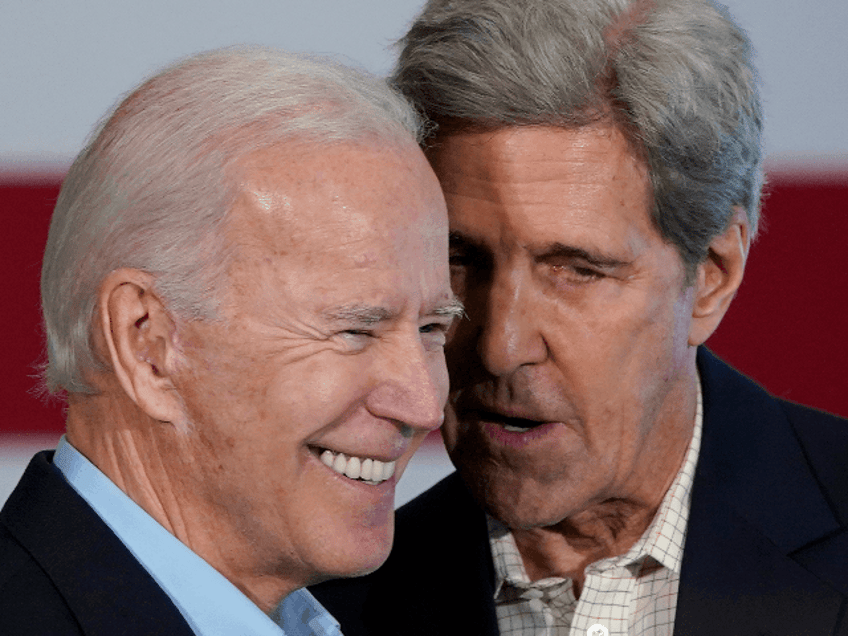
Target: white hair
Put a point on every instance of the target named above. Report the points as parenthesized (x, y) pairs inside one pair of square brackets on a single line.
[(152, 188)]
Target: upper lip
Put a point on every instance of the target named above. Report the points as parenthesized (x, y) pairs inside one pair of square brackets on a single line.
[(469, 405), (494, 416), (384, 456)]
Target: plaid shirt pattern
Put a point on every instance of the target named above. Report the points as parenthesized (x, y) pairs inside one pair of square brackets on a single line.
[(634, 594)]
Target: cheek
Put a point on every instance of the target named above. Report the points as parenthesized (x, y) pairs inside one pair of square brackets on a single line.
[(320, 391), (439, 375)]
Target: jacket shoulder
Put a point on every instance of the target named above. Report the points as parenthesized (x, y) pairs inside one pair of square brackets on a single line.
[(824, 440), (29, 602), (434, 507), (70, 573)]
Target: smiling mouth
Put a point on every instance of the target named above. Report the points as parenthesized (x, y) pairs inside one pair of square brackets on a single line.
[(365, 469)]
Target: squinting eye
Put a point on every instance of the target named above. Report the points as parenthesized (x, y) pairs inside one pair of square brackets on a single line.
[(434, 334), (357, 332), (585, 272), (356, 339), (578, 273)]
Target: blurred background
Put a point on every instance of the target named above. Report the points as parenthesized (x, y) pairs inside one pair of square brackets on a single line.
[(64, 64)]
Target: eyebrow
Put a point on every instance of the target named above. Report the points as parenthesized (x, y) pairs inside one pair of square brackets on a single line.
[(370, 315), (552, 250), (357, 313), (452, 309)]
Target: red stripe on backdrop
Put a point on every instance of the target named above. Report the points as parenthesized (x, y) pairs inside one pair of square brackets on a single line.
[(25, 208), (787, 327)]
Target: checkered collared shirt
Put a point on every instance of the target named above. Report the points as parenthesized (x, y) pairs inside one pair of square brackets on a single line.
[(630, 595)]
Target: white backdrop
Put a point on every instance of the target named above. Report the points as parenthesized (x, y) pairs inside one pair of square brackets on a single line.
[(63, 64)]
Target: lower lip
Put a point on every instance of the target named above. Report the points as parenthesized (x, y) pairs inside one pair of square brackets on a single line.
[(518, 440)]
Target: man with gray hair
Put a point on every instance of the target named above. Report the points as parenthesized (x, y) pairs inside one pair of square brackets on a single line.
[(601, 163), (246, 296)]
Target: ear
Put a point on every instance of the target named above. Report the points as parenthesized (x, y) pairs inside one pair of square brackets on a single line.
[(719, 276), (136, 334)]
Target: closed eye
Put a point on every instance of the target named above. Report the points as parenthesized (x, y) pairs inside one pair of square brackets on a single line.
[(579, 271), (356, 340), (574, 265), (358, 332)]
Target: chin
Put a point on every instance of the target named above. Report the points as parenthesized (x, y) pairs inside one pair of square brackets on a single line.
[(519, 504), (358, 557), (353, 570), (521, 515)]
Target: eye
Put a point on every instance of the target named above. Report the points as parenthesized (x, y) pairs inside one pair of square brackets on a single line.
[(572, 272), (467, 256), (434, 335), (575, 267), (470, 265), (356, 339), (579, 273)]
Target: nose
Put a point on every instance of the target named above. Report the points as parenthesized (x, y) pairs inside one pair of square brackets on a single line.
[(411, 386), (509, 334)]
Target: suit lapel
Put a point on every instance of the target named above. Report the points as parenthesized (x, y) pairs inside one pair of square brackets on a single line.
[(736, 581), (108, 591), (755, 508), (447, 581)]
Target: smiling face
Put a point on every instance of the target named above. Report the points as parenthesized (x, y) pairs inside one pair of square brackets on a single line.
[(330, 345), (572, 381)]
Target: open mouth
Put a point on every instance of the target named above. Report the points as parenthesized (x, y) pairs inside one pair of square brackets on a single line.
[(365, 469), (511, 424)]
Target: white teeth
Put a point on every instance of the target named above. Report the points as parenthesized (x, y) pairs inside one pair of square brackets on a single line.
[(514, 429), (353, 469), (369, 470), (388, 470)]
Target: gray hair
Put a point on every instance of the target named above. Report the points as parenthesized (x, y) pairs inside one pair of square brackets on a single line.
[(676, 76), (152, 188)]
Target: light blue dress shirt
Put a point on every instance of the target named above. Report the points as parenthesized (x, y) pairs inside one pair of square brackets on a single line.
[(211, 605)]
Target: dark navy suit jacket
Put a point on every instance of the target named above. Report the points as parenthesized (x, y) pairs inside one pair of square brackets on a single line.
[(766, 549), (64, 572)]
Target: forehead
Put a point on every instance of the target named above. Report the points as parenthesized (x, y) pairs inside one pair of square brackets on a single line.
[(294, 194), (543, 180), (349, 223)]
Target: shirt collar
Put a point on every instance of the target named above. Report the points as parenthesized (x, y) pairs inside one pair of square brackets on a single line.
[(664, 538), (662, 541), (211, 605)]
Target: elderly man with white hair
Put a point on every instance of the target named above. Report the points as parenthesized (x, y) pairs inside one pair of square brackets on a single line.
[(246, 294)]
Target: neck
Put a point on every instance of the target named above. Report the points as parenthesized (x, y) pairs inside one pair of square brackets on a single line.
[(144, 458), (605, 530), (612, 526)]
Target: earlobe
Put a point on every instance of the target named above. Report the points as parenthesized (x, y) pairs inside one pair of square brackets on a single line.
[(719, 277), (136, 335)]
